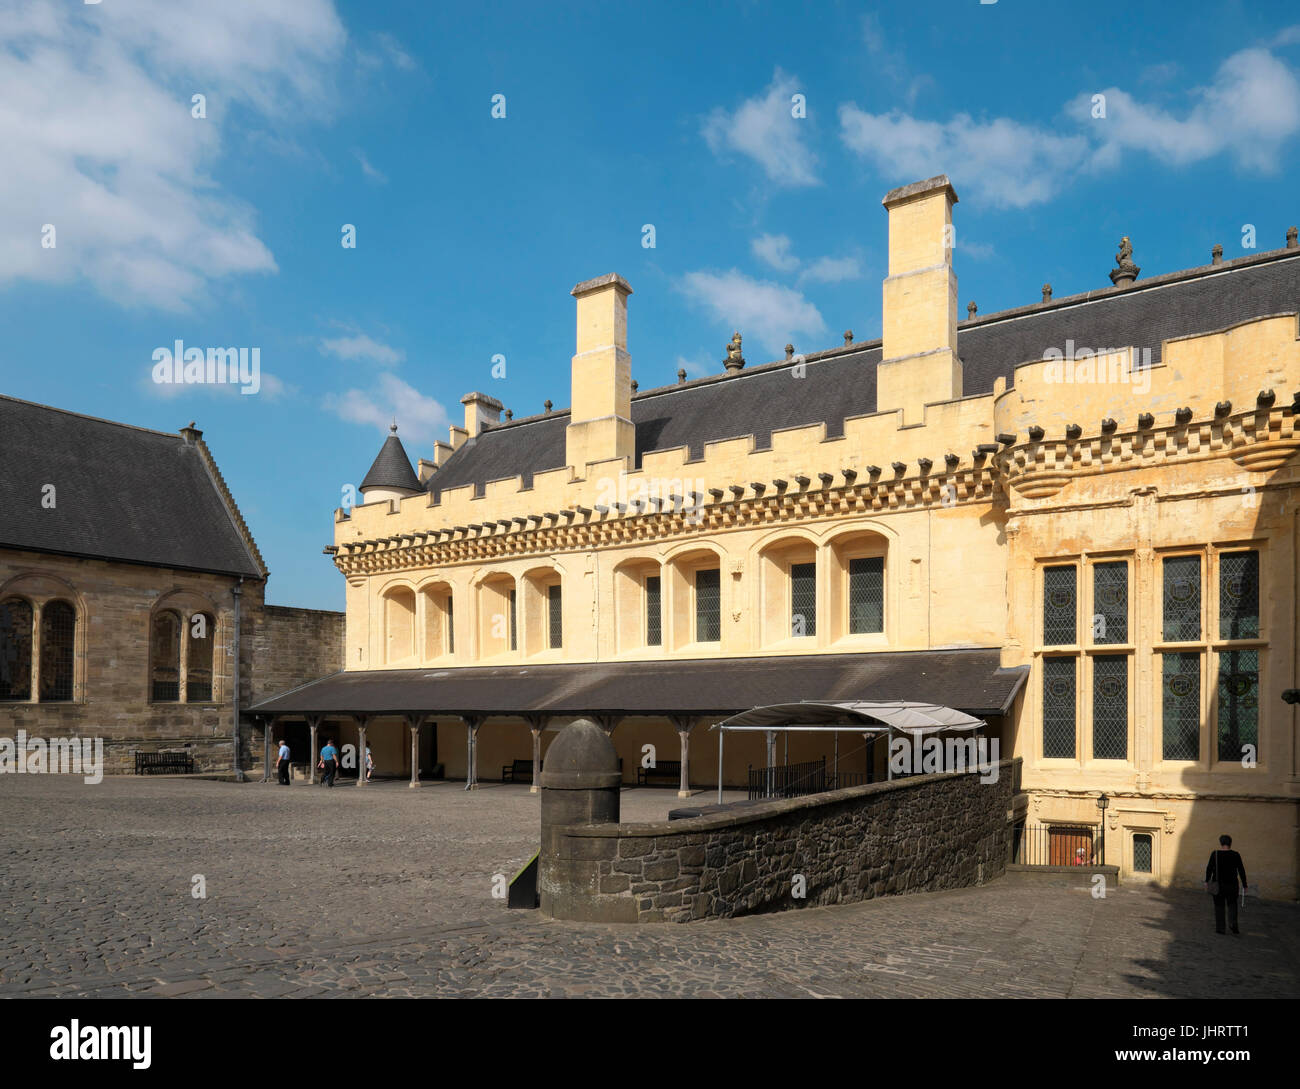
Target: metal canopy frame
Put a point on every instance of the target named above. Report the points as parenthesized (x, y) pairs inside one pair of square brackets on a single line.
[(872, 719)]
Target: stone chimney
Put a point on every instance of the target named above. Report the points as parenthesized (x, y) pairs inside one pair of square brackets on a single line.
[(480, 412), (600, 421), (919, 363)]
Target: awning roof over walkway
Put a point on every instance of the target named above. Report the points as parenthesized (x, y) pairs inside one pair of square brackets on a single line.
[(857, 716), (968, 679)]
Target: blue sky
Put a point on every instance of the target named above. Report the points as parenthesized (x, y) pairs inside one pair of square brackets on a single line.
[(225, 230)]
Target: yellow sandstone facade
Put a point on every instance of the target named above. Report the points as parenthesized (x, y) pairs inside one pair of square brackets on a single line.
[(1121, 522)]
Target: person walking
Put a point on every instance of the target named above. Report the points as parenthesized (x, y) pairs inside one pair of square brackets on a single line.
[(282, 765), (1221, 881), (329, 762), (370, 764)]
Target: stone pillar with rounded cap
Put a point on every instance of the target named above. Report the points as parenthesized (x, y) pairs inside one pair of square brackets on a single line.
[(580, 786)]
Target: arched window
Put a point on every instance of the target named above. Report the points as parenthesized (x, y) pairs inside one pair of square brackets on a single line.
[(15, 649), (198, 665), (399, 621), (165, 655), (58, 635)]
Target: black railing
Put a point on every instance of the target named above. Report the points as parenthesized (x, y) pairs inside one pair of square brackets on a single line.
[(1058, 845), (796, 780)]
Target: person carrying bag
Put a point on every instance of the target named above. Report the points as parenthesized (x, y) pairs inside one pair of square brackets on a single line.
[(1221, 874)]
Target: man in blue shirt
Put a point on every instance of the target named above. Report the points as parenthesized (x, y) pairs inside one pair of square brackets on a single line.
[(282, 764), (329, 757)]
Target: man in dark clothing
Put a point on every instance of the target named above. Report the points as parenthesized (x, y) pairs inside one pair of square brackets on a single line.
[(1223, 867)]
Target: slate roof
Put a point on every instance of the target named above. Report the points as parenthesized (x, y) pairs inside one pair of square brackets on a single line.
[(121, 493), (842, 382), (970, 680), (392, 468)]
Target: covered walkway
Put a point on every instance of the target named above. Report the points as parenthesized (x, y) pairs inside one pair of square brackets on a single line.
[(684, 692)]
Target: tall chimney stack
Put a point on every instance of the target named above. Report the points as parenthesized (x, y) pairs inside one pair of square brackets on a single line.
[(481, 411), (918, 361), (600, 422)]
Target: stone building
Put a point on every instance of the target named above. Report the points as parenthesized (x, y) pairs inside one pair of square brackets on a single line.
[(1075, 519), (129, 585)]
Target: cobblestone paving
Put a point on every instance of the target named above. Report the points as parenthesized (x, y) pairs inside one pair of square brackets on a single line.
[(387, 891)]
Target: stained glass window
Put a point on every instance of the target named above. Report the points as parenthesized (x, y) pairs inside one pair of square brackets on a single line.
[(1110, 707), (867, 595), (58, 628), (165, 651), (15, 649), (708, 606), (1238, 703), (198, 664), (1060, 612), (1239, 595), (1142, 852), (654, 631), (1059, 708), (803, 599), (1181, 699), (1182, 598), (554, 617), (1110, 602)]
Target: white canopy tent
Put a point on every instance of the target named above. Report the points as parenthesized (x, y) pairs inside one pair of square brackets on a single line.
[(871, 719)]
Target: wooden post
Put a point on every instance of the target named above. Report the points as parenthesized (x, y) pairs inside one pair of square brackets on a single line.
[(313, 724), (414, 721), (361, 748)]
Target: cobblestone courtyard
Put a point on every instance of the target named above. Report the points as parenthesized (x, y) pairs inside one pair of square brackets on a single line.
[(388, 891)]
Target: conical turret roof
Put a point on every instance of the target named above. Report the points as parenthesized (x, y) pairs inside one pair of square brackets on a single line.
[(392, 468)]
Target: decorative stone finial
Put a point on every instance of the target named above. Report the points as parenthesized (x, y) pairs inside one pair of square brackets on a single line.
[(547, 404), (681, 374), (971, 310), (789, 351), (735, 361), (1216, 255), (1292, 238), (1125, 271), (509, 416), (635, 385), (1047, 293), (848, 337), (392, 430)]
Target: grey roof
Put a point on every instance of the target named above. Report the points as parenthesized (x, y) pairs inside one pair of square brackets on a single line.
[(842, 382), (970, 680), (392, 468), (121, 493)]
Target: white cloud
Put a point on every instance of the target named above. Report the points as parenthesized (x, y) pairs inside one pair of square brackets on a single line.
[(1288, 36), (978, 251), (831, 270), (764, 312), (419, 418), (764, 129), (362, 347), (368, 170), (1249, 112), (693, 369), (99, 141), (394, 51), (1003, 162), (774, 250)]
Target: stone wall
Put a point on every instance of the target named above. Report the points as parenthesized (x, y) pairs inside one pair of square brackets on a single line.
[(294, 646), (919, 834)]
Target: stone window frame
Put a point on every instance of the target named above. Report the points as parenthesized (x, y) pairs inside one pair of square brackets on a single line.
[(387, 602), (185, 606), (679, 598), (435, 595), (40, 590), (836, 558), (492, 598), (629, 591), (772, 594), (532, 619), (1209, 648), (1083, 652)]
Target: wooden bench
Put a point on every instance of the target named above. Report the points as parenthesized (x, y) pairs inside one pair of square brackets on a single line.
[(164, 763), (664, 769), (517, 771)]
